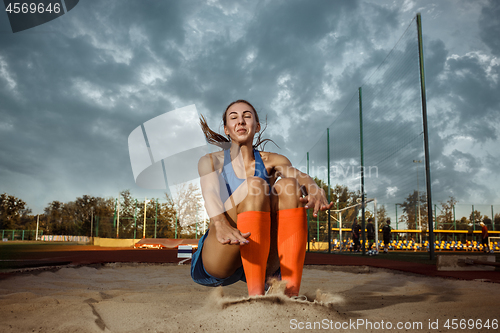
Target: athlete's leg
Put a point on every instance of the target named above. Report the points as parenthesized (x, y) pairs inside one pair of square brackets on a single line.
[(292, 232), (254, 217), (222, 260)]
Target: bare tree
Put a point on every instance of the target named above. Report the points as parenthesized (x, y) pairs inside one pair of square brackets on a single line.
[(381, 216), (446, 218), (188, 206)]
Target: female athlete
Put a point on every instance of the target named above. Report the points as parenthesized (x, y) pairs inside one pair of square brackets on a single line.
[(256, 202)]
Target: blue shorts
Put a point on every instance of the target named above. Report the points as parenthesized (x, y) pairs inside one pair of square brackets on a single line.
[(200, 275)]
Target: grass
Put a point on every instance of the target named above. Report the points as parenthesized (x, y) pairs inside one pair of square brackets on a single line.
[(18, 254), (14, 248)]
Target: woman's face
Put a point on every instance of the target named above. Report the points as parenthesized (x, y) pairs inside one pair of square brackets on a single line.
[(241, 124)]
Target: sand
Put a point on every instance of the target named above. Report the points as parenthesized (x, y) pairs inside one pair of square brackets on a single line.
[(163, 298)]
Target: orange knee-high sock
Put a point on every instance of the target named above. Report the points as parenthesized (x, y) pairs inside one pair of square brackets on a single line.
[(254, 254), (292, 239)]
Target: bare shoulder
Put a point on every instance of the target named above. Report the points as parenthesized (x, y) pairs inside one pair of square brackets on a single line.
[(210, 162), (218, 158)]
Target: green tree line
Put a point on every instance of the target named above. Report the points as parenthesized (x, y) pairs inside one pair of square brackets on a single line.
[(172, 216)]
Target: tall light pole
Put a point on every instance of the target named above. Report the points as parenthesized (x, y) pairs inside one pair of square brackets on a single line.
[(418, 200), (118, 218), (37, 224), (144, 225), (92, 224), (397, 219)]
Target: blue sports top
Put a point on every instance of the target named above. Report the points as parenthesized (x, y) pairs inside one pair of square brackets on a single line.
[(232, 182)]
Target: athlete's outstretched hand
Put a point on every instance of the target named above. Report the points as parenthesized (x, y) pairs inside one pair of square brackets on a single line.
[(316, 200), (227, 234)]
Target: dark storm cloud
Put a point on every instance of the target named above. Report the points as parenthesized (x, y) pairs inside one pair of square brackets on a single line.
[(392, 125), (464, 104), (475, 95), (435, 61), (458, 175), (453, 84), (288, 45), (283, 38), (67, 112), (489, 23), (466, 84), (71, 97)]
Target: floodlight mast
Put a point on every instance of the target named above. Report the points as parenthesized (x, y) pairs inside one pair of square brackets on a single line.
[(375, 223), (418, 201), (426, 137)]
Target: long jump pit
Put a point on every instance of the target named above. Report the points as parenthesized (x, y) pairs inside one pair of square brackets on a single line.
[(147, 291)]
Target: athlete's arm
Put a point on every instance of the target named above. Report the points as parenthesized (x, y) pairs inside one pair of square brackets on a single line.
[(315, 198), (225, 232)]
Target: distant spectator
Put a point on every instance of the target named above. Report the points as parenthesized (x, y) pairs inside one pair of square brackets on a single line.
[(484, 237), (386, 231), (370, 230), (355, 234)]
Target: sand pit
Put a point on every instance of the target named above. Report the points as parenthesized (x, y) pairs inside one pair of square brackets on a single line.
[(163, 298)]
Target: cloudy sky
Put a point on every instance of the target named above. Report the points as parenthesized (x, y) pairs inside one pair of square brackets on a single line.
[(72, 90)]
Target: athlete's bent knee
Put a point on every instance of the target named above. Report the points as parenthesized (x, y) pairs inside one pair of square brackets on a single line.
[(287, 187), (257, 198)]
